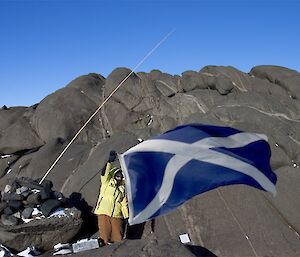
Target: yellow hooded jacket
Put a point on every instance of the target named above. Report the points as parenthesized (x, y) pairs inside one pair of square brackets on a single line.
[(112, 200)]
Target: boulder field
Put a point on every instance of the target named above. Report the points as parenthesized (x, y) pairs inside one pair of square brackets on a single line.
[(229, 221)]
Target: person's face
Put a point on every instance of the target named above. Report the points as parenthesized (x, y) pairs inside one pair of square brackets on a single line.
[(119, 177)]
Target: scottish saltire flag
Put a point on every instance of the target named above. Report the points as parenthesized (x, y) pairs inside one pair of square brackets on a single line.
[(165, 171)]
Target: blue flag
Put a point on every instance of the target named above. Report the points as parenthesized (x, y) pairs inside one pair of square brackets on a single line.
[(167, 170)]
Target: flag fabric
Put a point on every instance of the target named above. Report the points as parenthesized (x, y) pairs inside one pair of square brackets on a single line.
[(163, 172)]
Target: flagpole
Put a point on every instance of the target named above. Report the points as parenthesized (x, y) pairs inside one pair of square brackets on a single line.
[(104, 102)]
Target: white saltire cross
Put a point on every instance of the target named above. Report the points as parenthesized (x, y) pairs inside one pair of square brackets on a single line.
[(185, 152)]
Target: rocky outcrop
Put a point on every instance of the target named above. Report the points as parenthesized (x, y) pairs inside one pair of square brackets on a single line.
[(287, 79), (43, 233), (33, 214), (230, 221), (16, 131), (146, 247)]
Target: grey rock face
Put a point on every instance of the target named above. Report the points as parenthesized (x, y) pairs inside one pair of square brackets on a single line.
[(61, 114), (9, 115), (26, 214), (90, 85), (146, 247), (42, 233), (231, 221), (4, 166), (9, 220), (284, 77), (19, 136)]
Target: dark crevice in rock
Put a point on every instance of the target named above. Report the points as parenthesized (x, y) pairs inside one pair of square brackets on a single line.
[(281, 215), (26, 151), (172, 95)]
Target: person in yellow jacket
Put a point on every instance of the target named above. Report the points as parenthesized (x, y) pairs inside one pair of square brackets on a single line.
[(112, 204)]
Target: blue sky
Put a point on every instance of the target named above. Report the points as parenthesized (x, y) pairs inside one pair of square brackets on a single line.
[(46, 44)]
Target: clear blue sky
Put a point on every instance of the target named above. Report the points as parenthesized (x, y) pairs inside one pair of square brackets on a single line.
[(46, 44)]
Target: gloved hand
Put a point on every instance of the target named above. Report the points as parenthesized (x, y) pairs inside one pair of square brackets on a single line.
[(112, 156), (102, 171)]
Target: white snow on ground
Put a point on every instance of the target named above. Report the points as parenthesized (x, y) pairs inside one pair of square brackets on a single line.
[(29, 252), (60, 212), (5, 156)]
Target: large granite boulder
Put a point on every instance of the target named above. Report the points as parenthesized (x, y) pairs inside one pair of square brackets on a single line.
[(16, 131), (43, 233), (90, 85), (150, 247), (34, 164), (231, 221), (61, 114), (286, 78)]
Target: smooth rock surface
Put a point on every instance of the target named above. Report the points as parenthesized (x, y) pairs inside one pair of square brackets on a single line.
[(44, 233), (230, 221)]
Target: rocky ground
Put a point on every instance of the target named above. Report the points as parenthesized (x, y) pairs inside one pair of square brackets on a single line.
[(230, 221)]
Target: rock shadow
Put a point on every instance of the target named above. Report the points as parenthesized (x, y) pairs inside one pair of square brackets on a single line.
[(139, 230), (200, 251), (89, 225), (135, 231)]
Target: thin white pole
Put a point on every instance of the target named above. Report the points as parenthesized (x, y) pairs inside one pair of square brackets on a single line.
[(104, 102)]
